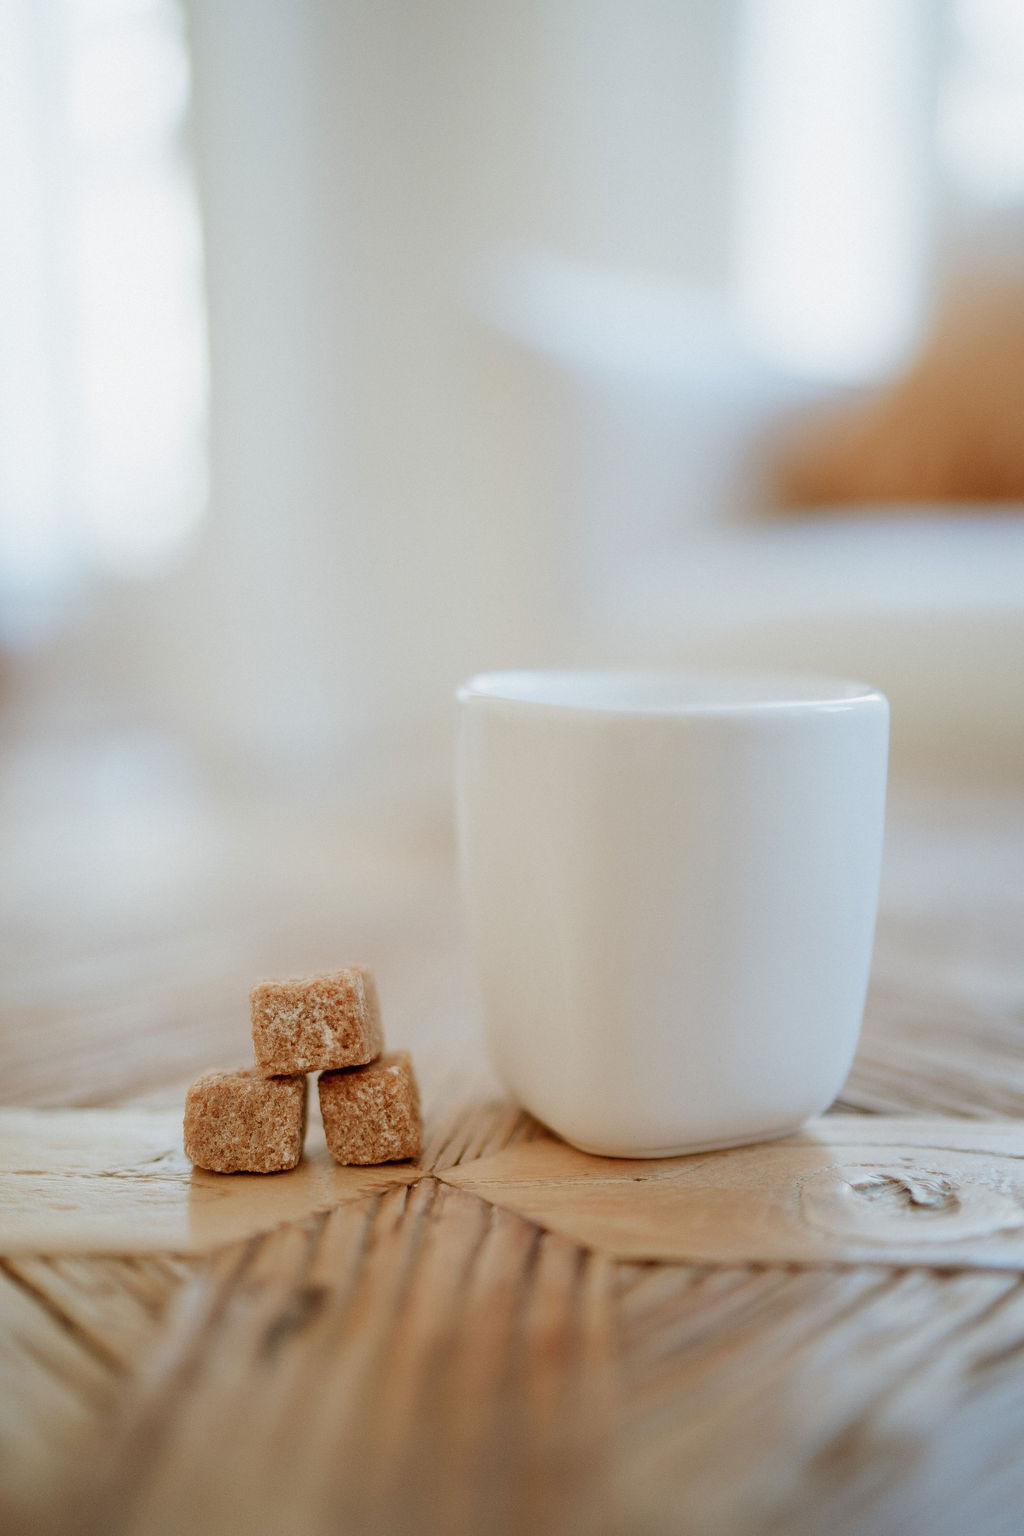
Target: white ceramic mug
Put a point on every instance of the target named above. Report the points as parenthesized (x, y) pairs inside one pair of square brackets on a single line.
[(672, 883)]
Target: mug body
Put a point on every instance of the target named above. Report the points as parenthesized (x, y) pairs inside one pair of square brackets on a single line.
[(671, 884)]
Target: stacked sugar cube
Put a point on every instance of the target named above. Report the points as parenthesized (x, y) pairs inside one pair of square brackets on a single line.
[(254, 1120)]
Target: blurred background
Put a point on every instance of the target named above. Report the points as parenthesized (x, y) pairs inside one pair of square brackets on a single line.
[(350, 346)]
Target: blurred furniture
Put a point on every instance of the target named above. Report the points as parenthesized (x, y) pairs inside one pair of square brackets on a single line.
[(947, 430), (663, 480), (423, 1362)]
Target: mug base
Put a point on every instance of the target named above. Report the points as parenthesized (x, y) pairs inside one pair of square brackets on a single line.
[(685, 1149)]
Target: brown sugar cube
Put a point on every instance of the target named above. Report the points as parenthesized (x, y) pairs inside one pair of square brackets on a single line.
[(372, 1114), (316, 1022), (243, 1122)]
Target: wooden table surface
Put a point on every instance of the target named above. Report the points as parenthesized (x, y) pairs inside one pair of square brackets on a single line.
[(420, 1360)]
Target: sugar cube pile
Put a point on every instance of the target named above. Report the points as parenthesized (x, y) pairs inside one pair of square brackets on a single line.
[(253, 1120)]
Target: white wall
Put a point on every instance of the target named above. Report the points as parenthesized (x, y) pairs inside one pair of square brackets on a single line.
[(391, 498)]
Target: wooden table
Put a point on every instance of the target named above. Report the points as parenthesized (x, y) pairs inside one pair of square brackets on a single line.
[(420, 1360)]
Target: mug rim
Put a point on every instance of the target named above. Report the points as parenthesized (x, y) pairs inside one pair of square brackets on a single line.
[(677, 693)]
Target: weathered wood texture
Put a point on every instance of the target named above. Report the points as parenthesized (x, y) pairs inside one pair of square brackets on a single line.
[(849, 1189), (858, 1401), (418, 1360), (116, 1181), (71, 1333)]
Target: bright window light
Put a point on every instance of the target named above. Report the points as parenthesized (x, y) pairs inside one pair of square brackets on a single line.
[(981, 107), (103, 372), (832, 182)]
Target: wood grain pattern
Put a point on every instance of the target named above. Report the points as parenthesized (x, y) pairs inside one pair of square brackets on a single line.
[(55, 1386), (112, 1306), (415, 1361), (767, 1400), (410, 1362), (882, 1190), (850, 1190), (85, 1181)]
